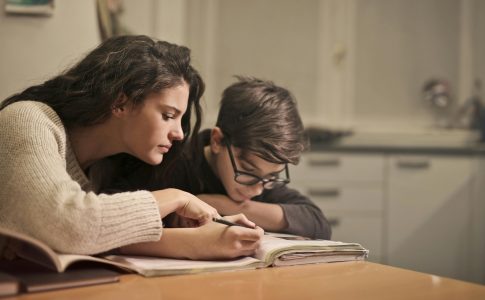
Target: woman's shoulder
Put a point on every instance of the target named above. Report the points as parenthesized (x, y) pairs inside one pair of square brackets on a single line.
[(29, 112), (34, 108), (30, 119)]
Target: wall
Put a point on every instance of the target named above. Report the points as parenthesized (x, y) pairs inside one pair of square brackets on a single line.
[(162, 19), (351, 63), (36, 48), (479, 41), (253, 38), (272, 39), (399, 46)]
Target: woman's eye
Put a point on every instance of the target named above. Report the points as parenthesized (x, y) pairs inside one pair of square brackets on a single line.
[(168, 116)]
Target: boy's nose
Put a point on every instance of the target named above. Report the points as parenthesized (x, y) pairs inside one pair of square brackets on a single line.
[(255, 190)]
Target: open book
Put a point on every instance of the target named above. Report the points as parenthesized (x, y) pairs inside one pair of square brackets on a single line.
[(273, 252)]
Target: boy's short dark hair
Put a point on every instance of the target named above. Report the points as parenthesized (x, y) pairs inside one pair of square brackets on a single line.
[(258, 116)]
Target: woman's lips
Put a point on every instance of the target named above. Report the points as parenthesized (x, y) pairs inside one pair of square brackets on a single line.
[(164, 148)]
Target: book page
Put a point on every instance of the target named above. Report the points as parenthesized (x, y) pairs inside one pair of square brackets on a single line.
[(153, 266), (67, 259), (272, 247), (32, 249), (284, 260), (36, 251), (286, 236)]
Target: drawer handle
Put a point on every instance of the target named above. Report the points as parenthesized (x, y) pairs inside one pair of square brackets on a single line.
[(413, 164), (334, 222), (324, 192), (331, 162)]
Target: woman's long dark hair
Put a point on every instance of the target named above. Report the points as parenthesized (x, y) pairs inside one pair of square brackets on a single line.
[(129, 67)]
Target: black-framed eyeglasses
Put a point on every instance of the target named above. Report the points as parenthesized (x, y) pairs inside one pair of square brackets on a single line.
[(251, 179)]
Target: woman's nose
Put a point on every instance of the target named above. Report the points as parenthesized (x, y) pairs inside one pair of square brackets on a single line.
[(177, 133)]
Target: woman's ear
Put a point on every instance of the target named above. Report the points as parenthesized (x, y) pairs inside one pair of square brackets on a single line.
[(216, 140), (119, 107)]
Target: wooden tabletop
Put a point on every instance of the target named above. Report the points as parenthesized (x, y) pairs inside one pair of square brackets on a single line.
[(349, 280)]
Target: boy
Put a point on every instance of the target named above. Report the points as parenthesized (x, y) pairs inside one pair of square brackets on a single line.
[(242, 166)]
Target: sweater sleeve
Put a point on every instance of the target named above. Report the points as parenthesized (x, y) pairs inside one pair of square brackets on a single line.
[(40, 198), (302, 215)]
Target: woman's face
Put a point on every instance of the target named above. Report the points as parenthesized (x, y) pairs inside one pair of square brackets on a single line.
[(149, 130)]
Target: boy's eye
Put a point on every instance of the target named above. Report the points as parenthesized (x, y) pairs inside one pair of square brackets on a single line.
[(246, 168), (272, 176)]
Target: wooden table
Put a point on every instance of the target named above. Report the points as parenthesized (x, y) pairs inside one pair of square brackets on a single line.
[(349, 280)]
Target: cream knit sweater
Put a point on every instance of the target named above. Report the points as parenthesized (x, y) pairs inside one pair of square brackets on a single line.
[(44, 192)]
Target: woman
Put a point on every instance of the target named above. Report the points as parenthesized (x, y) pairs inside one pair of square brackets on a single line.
[(130, 95)]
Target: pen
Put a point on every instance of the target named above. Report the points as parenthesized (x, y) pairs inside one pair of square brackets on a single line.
[(228, 223)]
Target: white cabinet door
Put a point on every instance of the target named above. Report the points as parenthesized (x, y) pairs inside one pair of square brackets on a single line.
[(339, 167), (429, 220), (478, 225), (363, 228), (349, 188)]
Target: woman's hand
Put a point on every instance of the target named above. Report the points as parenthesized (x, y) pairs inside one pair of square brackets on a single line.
[(218, 241), (178, 221), (211, 241), (240, 219), (185, 205), (222, 203)]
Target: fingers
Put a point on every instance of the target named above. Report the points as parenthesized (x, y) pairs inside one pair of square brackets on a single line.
[(246, 234), (247, 241), (222, 241), (240, 219), (206, 213), (198, 210)]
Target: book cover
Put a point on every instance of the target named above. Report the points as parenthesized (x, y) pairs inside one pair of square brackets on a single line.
[(32, 277), (9, 285)]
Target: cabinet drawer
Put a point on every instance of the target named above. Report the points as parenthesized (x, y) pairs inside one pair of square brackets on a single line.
[(341, 196), (365, 230), (337, 167)]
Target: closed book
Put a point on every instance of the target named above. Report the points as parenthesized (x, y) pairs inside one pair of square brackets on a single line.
[(36, 278), (9, 285)]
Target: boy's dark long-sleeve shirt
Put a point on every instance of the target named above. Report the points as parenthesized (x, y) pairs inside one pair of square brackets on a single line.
[(302, 215)]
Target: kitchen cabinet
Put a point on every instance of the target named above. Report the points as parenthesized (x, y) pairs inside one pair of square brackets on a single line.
[(420, 212), (430, 214), (350, 191)]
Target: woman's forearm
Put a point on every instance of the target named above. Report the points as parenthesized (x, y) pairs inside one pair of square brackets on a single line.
[(175, 243), (210, 241)]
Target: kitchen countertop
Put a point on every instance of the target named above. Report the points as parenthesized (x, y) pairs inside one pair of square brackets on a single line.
[(437, 142)]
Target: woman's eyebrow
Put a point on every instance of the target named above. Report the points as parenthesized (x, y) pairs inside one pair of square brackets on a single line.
[(177, 111)]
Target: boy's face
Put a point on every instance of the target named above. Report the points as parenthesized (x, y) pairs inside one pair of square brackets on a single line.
[(249, 163)]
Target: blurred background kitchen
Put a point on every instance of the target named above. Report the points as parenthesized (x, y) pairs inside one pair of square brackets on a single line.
[(390, 91)]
